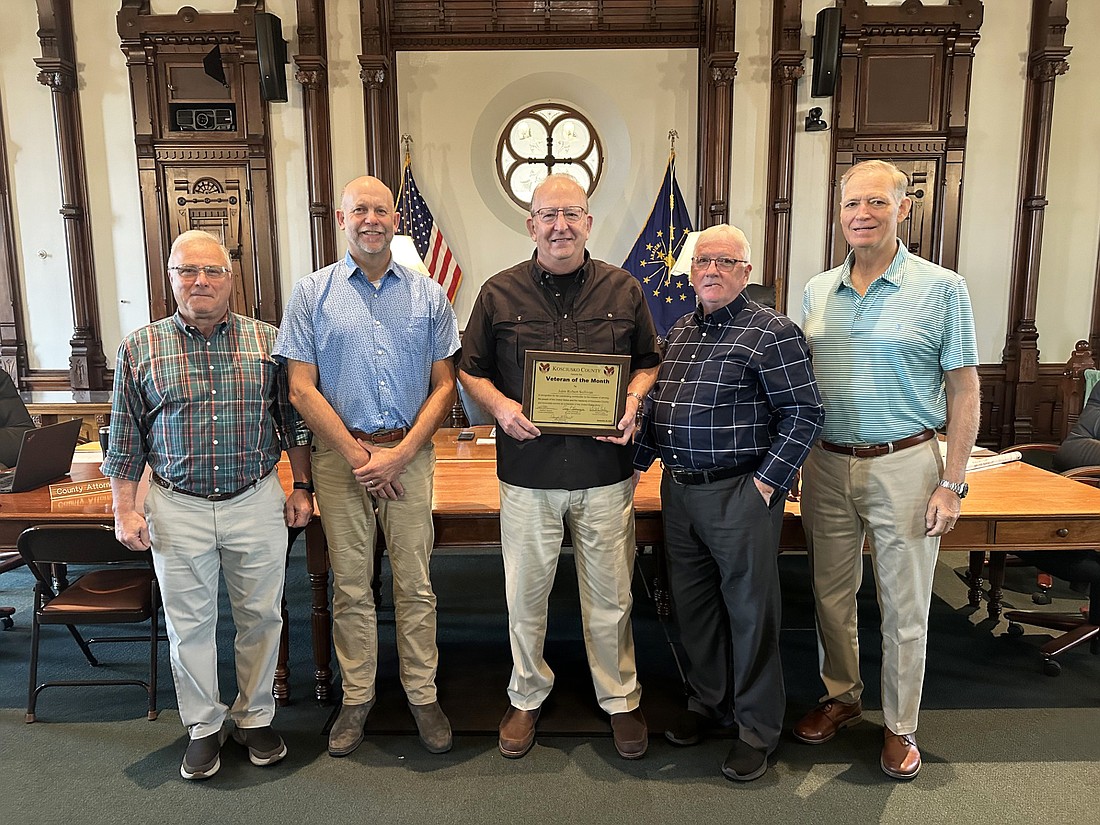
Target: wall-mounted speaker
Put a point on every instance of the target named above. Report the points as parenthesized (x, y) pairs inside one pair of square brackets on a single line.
[(826, 52), (271, 50)]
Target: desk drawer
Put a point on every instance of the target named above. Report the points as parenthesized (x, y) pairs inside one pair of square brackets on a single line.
[(1049, 534)]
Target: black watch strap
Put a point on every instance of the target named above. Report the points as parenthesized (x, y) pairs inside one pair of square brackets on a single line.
[(304, 485)]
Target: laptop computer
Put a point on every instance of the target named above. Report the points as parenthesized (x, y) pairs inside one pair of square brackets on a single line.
[(45, 455)]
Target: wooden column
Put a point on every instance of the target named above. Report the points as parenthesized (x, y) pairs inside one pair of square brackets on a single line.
[(57, 71), (312, 73), (1046, 62), (787, 68), (717, 70), (378, 71), (13, 342)]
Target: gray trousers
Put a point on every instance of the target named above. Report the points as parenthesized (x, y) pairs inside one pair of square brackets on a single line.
[(721, 543)]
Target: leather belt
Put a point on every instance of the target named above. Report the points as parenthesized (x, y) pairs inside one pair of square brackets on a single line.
[(168, 485), (381, 436), (875, 450), (704, 476)]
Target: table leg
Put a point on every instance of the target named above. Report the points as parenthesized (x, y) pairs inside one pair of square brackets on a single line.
[(996, 583), (321, 618), (974, 578), (281, 688)]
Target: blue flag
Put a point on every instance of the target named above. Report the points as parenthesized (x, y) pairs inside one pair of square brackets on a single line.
[(654, 254)]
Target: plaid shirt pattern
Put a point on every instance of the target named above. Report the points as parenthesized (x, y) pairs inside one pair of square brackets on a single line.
[(209, 415), (735, 390)]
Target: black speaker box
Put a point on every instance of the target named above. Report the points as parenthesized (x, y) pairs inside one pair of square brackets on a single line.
[(271, 50), (826, 52)]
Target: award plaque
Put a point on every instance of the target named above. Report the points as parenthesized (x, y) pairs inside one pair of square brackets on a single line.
[(575, 393)]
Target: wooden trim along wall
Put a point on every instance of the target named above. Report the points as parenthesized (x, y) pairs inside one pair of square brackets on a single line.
[(787, 69), (57, 72), (1045, 64)]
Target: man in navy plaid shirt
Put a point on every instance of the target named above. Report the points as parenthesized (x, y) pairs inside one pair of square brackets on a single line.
[(732, 416)]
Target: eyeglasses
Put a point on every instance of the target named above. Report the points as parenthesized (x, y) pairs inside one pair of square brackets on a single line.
[(549, 214), (723, 264), (190, 273)]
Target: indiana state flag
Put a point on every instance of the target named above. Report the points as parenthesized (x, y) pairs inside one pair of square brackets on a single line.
[(654, 254)]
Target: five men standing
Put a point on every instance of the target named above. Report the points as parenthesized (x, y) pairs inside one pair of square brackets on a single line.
[(368, 346), (563, 300), (894, 351)]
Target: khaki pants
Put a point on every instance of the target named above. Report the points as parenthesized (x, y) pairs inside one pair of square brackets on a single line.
[(601, 521), (348, 515), (884, 499)]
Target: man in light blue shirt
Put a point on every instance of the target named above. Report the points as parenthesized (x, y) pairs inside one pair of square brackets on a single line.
[(894, 352), (368, 344)]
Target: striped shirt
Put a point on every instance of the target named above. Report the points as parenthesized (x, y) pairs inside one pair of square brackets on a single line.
[(373, 345), (209, 415), (736, 390), (880, 358)]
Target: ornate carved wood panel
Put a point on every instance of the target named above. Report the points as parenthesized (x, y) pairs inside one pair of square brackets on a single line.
[(202, 146), (928, 51)]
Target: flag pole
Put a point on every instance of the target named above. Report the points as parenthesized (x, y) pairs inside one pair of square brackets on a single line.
[(406, 139), (672, 135)]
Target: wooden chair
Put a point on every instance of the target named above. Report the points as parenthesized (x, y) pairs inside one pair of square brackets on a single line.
[(1077, 628), (116, 586)]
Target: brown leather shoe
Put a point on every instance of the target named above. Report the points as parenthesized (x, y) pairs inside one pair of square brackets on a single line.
[(900, 757), (517, 731), (823, 722), (630, 733)]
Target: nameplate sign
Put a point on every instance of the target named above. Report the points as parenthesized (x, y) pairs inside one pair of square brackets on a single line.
[(78, 489)]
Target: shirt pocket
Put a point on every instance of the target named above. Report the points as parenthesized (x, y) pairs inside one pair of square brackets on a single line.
[(606, 332)]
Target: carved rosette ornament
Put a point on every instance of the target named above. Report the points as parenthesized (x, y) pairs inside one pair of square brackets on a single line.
[(723, 75), (787, 73), (57, 81), (312, 79)]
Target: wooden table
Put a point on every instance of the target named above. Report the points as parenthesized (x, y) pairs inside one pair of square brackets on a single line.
[(1010, 508)]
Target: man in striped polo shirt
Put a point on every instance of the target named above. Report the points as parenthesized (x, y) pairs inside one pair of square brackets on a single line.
[(198, 397), (894, 352)]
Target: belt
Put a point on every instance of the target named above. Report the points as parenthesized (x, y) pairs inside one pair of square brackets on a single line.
[(168, 485), (381, 436), (874, 450), (704, 476)]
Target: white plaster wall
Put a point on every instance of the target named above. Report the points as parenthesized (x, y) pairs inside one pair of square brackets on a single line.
[(455, 104)]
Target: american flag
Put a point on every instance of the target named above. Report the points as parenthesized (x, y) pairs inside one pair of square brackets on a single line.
[(417, 221)]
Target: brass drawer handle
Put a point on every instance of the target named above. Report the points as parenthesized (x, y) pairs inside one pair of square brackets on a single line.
[(1062, 532)]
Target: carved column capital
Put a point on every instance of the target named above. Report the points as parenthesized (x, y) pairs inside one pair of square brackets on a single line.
[(312, 79), (373, 77), (1044, 69), (57, 80), (787, 73), (722, 75)]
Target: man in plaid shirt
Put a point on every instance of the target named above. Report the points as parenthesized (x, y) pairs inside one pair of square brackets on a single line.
[(732, 416), (199, 398)]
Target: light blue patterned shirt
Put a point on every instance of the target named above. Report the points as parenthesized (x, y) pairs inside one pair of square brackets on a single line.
[(879, 358), (373, 345)]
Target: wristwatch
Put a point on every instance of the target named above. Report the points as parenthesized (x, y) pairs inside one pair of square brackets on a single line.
[(959, 488), (640, 398), (304, 485)]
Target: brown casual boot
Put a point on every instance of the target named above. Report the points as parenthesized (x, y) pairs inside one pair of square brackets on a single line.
[(823, 722), (517, 731), (631, 734)]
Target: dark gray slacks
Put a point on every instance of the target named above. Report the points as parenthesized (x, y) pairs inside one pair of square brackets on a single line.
[(721, 546)]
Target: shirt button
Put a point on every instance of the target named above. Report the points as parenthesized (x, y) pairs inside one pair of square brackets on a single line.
[(565, 339), (671, 405), (669, 432), (214, 417), (215, 392), (566, 315), (215, 442), (216, 467), (217, 489), (379, 352), (211, 367), (704, 335)]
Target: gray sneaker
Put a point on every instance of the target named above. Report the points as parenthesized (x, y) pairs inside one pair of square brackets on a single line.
[(347, 731), (434, 728), (265, 746), (202, 759)]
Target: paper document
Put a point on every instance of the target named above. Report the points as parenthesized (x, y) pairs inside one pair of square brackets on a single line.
[(985, 462)]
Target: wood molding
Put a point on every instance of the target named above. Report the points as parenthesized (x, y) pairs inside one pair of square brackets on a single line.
[(1046, 63), (923, 132), (13, 340), (787, 69), (57, 72), (312, 74), (1094, 327), (717, 70), (378, 72)]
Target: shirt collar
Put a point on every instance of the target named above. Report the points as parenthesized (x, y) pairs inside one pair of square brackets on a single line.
[(895, 272), (189, 329), (395, 269), (722, 315), (540, 275)]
